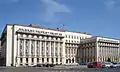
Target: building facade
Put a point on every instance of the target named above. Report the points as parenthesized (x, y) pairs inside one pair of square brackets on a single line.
[(72, 41), (31, 45), (99, 49)]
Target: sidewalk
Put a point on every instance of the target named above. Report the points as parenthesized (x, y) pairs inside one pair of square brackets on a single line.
[(64, 67)]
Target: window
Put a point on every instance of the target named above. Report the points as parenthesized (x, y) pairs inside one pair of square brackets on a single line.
[(56, 38), (74, 37), (32, 60), (47, 43), (32, 36), (27, 47), (26, 60), (60, 38), (52, 60), (47, 37), (37, 44), (37, 59), (47, 59), (56, 51), (21, 47), (56, 59), (43, 60), (42, 51), (42, 37), (60, 59), (32, 47), (69, 36), (20, 60), (47, 50), (51, 38), (77, 37), (37, 36)]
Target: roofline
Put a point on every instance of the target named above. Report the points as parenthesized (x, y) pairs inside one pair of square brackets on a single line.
[(106, 37), (42, 27)]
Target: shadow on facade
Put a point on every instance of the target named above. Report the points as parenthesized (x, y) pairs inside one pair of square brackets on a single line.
[(2, 61), (78, 55)]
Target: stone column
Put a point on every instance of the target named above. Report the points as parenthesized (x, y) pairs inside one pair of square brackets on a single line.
[(58, 53), (40, 59), (63, 53), (54, 54), (35, 57), (18, 52), (24, 52), (50, 53), (45, 59), (29, 59)]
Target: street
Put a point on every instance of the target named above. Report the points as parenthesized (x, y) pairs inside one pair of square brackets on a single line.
[(59, 70)]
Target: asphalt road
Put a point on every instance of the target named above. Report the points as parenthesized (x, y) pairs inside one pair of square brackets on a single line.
[(58, 70)]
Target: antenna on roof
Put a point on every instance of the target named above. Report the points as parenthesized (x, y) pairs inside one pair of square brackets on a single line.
[(32, 25)]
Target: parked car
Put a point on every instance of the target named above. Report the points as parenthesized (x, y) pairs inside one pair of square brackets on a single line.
[(83, 63), (90, 65), (116, 64), (97, 64), (107, 65), (94, 65), (48, 65)]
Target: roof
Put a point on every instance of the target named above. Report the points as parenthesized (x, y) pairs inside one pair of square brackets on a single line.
[(42, 27), (105, 37)]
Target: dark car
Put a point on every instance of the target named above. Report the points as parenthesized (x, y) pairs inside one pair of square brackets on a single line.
[(94, 65), (48, 65), (97, 64), (84, 63), (90, 65)]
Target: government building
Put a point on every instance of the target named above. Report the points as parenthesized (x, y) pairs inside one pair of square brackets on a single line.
[(25, 45), (99, 49)]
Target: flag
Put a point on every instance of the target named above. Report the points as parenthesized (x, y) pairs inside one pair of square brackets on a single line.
[(64, 24)]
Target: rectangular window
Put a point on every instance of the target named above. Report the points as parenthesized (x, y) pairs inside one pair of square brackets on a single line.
[(21, 47), (42, 60), (21, 60), (47, 59), (47, 51), (56, 59), (32, 47), (26, 60), (38, 47), (42, 51), (27, 47), (37, 60), (32, 60), (60, 59)]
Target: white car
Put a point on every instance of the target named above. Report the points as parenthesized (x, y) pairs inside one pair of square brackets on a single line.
[(108, 64), (116, 64)]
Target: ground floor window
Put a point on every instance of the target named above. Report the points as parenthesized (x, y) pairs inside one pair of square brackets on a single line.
[(52, 60), (21, 60), (37, 60), (42, 60), (47, 59), (26, 60), (32, 60)]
